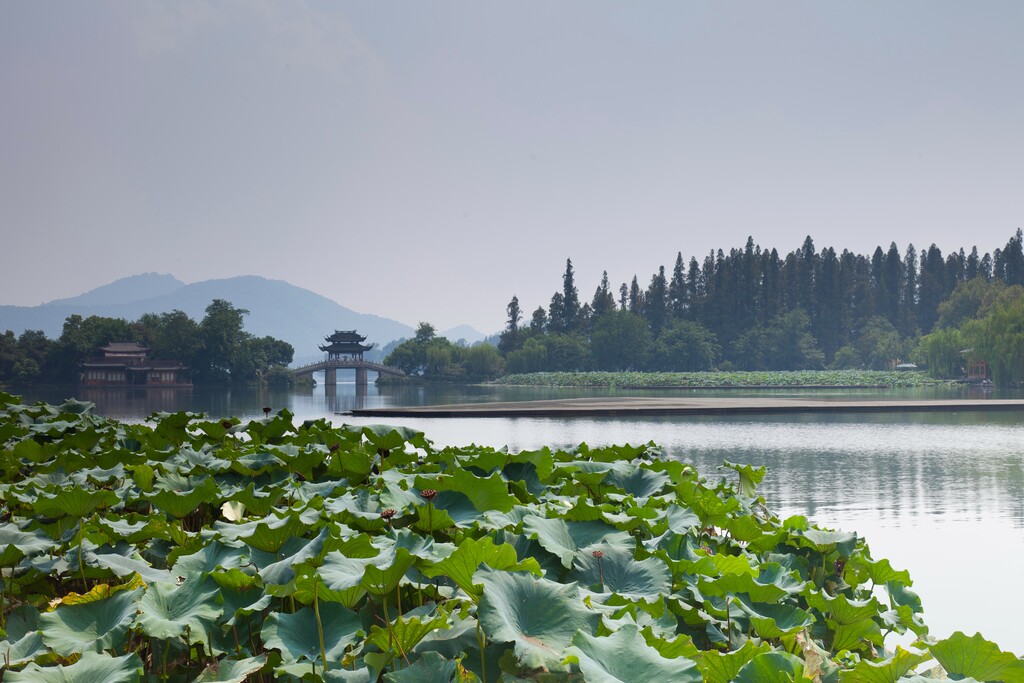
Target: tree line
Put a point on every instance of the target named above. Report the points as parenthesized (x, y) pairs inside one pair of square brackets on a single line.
[(754, 309), (216, 350)]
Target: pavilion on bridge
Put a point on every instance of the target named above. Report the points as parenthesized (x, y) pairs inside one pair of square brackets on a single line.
[(345, 344)]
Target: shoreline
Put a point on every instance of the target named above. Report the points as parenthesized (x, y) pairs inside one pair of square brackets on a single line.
[(648, 406)]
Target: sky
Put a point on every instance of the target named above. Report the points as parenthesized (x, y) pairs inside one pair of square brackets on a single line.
[(428, 161)]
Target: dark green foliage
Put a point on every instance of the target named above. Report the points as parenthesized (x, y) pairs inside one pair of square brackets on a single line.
[(218, 349), (856, 311), (437, 359), (226, 551)]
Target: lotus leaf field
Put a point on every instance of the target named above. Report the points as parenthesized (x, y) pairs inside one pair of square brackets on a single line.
[(713, 380), (188, 549)]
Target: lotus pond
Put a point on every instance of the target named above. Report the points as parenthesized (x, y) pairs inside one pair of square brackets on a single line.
[(190, 549)]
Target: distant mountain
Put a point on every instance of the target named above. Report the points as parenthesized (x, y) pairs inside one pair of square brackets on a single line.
[(470, 334), (125, 290), (276, 308)]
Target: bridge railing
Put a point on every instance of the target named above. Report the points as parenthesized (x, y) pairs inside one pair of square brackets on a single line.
[(347, 364)]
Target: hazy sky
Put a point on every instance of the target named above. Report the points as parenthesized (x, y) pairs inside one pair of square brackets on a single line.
[(428, 160)]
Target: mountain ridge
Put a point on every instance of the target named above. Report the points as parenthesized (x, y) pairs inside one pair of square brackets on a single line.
[(276, 308)]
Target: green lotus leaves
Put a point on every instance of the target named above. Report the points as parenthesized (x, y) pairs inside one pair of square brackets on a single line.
[(826, 541), (624, 657), (430, 668), (24, 642), (170, 611), (566, 539), (92, 667), (540, 617), (16, 544), (231, 670), (749, 477), (607, 564), (771, 667), (74, 501), (90, 626), (772, 584), (722, 667), (615, 570), (402, 634), (486, 493), (297, 637), (962, 656), (467, 558), (889, 670), (179, 503)]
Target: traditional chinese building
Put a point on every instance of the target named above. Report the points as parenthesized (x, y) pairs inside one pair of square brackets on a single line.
[(127, 364), (345, 344)]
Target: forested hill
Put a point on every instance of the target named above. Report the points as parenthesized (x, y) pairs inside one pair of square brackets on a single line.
[(753, 308), (276, 308)]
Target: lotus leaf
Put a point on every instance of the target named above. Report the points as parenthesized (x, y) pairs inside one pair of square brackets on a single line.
[(771, 667), (772, 584), (826, 541), (467, 558), (24, 642), (405, 632), (231, 670), (540, 617), (722, 667), (179, 503), (774, 621), (90, 626), (565, 539), (92, 667), (169, 611), (962, 656), (16, 544), (429, 668), (887, 671), (624, 657), (296, 635), (618, 572)]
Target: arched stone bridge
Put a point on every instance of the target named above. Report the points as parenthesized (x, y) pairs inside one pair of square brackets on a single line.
[(331, 366)]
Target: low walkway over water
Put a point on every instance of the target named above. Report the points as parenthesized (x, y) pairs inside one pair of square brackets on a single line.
[(643, 406)]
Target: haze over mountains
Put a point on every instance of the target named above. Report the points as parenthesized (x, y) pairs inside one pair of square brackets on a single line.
[(276, 308)]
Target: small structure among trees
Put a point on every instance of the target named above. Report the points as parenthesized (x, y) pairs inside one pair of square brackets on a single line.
[(345, 344), (127, 364)]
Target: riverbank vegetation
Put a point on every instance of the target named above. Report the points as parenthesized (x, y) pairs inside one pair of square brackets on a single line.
[(754, 309), (196, 550), (698, 380), (216, 350), (428, 356)]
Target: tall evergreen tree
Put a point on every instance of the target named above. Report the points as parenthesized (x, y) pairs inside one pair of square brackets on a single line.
[(570, 299), (604, 300), (677, 289), (635, 297), (1013, 258), (510, 338), (655, 307)]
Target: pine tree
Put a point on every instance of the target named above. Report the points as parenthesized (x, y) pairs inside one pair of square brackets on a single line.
[(677, 289), (655, 304), (604, 300), (570, 300), (635, 297)]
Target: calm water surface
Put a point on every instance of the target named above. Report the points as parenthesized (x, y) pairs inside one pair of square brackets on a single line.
[(940, 494)]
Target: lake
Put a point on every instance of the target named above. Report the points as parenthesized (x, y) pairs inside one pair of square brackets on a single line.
[(940, 494)]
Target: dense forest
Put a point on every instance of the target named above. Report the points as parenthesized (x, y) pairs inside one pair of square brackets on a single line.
[(217, 349), (754, 309)]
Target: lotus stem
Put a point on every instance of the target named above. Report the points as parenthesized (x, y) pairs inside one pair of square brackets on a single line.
[(480, 641), (728, 623), (319, 624)]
